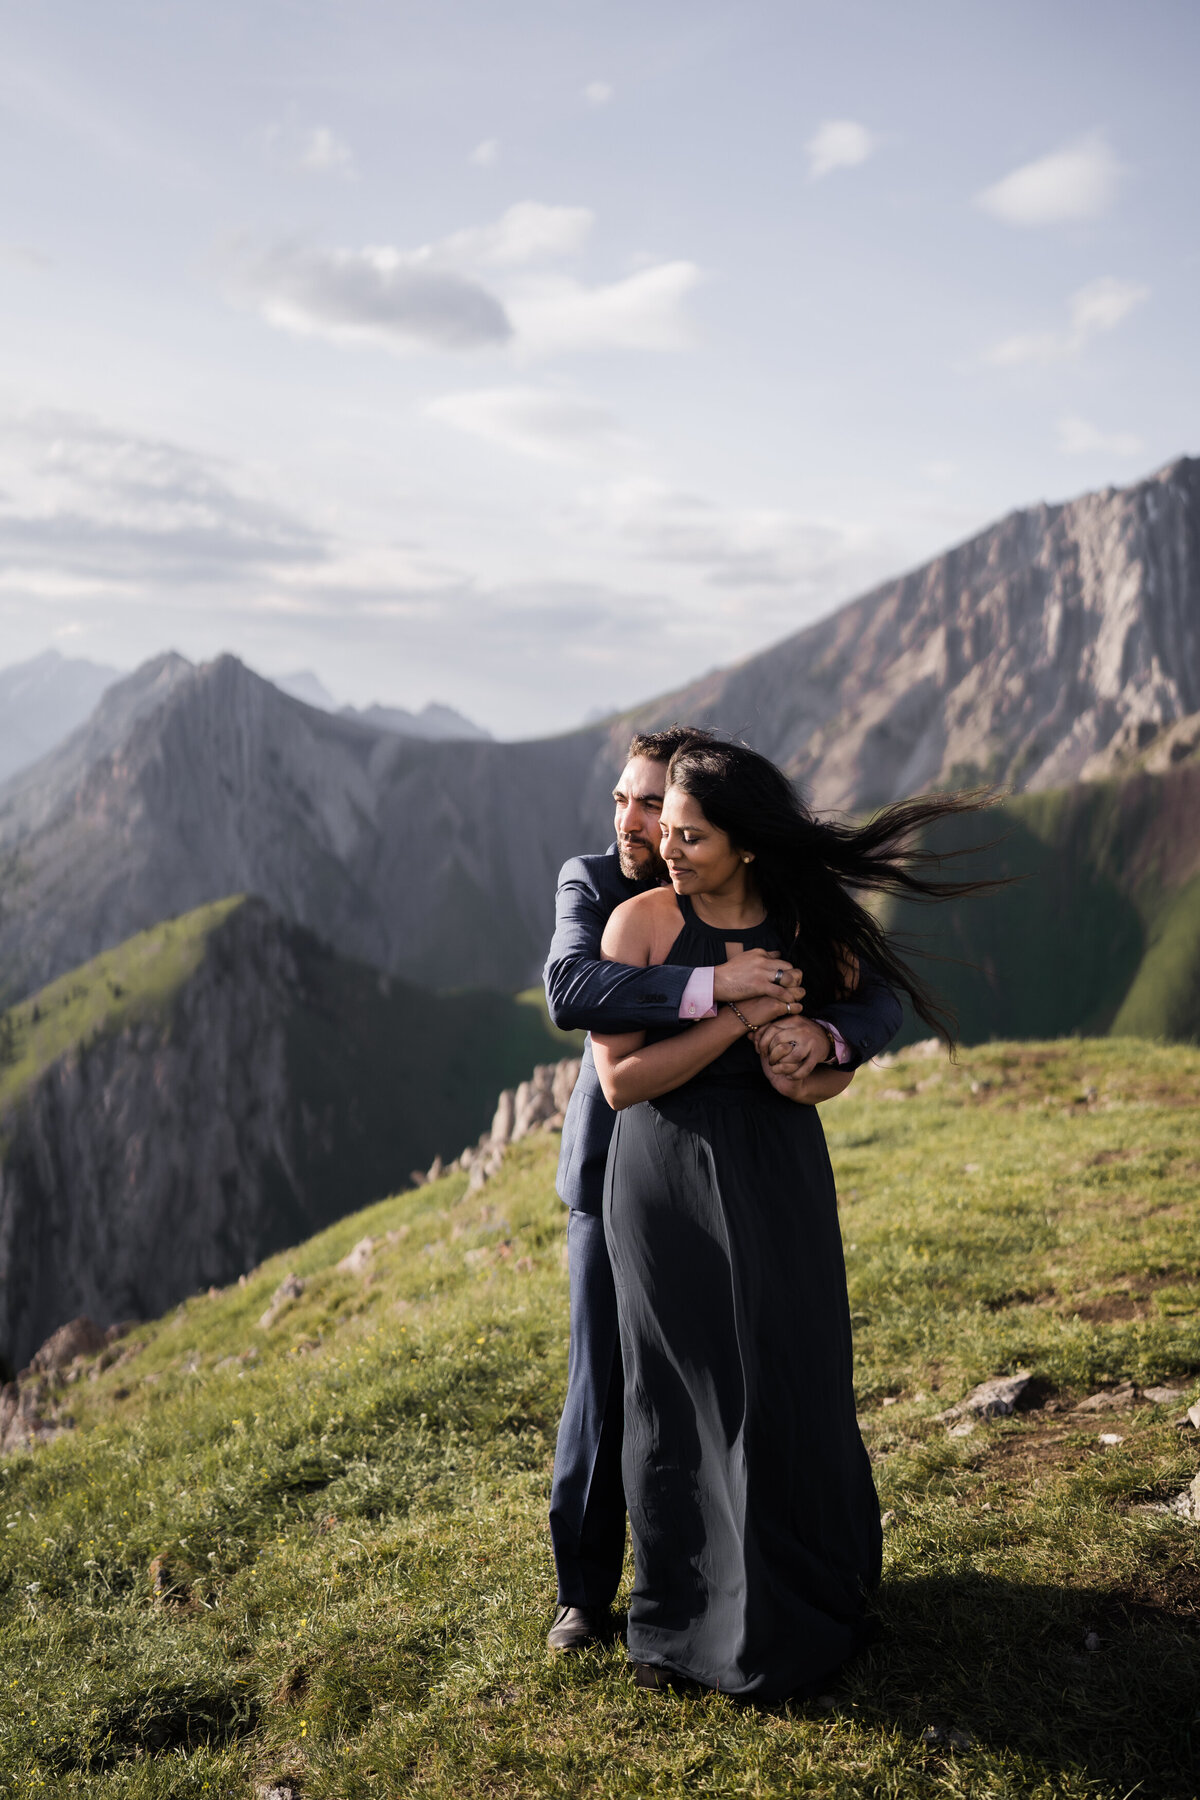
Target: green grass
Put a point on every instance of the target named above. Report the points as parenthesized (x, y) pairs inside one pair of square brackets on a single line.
[(137, 979), (355, 1579), (1099, 933)]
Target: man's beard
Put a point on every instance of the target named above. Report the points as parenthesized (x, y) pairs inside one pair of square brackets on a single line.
[(649, 871)]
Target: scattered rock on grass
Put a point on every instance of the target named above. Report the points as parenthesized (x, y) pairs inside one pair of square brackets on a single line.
[(78, 1337), (1109, 1399), (992, 1399), (358, 1259), (1162, 1396), (1193, 1413), (289, 1289), (1109, 1438)]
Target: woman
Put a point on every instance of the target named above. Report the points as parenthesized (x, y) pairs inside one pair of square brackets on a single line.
[(755, 1522)]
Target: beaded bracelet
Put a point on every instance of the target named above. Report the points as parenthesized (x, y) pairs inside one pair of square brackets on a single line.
[(741, 1015)]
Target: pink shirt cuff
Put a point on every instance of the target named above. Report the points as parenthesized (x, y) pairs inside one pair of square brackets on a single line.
[(697, 1002), (841, 1053)]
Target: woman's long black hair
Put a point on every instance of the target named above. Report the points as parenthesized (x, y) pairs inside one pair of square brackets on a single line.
[(806, 867)]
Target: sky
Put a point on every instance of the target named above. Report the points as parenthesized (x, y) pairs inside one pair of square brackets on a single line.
[(536, 358)]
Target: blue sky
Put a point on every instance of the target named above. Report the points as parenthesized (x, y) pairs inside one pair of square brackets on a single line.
[(538, 357)]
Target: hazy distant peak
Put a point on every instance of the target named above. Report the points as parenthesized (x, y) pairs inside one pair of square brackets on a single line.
[(42, 701), (302, 684), (434, 721)]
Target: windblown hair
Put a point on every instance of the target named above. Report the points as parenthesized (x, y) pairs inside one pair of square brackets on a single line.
[(806, 867)]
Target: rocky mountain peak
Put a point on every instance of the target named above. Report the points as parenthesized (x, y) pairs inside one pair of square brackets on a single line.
[(1015, 656)]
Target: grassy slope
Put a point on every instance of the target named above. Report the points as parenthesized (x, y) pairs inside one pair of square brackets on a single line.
[(392, 1073), (1102, 931), (357, 1571), (136, 979)]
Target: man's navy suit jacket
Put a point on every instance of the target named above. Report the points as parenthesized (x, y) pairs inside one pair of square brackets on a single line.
[(586, 994)]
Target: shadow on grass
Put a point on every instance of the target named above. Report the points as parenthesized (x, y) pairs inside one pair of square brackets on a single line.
[(169, 1717), (1103, 1682)]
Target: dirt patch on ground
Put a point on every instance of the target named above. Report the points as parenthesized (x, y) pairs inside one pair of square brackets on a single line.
[(1113, 1308), (1055, 1441)]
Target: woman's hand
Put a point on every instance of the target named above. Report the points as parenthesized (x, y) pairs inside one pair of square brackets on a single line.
[(794, 1047), (809, 1090)]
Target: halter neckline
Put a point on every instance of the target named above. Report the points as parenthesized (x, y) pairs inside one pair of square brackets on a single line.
[(726, 932)]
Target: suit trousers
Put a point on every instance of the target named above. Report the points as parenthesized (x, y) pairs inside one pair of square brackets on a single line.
[(587, 1499)]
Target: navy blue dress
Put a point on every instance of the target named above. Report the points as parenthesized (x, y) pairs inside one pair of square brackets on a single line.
[(754, 1517)]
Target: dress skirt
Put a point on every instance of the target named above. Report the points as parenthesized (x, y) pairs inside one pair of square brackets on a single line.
[(754, 1517)]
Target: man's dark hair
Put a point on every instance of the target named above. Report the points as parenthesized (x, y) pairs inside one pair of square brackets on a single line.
[(661, 746)]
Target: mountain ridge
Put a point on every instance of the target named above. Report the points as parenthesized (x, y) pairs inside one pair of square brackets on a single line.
[(1028, 654), (213, 1089)]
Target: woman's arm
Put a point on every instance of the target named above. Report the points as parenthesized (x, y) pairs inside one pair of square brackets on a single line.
[(630, 1069), (809, 1090)]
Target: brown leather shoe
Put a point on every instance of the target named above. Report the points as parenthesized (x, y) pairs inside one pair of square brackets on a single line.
[(576, 1628)]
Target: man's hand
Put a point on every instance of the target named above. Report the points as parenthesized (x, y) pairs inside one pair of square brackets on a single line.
[(751, 976), (792, 1047)]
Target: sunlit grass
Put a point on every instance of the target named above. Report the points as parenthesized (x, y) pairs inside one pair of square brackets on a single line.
[(319, 1551)]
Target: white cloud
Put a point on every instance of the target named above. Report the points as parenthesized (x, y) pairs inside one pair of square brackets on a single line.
[(1102, 304), (1099, 307), (432, 298), (1077, 182), (528, 232), (534, 422), (598, 93), (485, 154), (324, 153), (736, 548), (1078, 437), (556, 314), (84, 506), (838, 144), (376, 296)]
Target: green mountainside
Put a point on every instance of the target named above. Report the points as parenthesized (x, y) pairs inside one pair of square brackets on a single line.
[(1101, 930), (310, 1555), (213, 1088)]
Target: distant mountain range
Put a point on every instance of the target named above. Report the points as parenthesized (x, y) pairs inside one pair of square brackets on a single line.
[(433, 721), (42, 701), (1038, 654), (215, 1089)]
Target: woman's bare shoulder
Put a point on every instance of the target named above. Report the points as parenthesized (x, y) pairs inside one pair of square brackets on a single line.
[(641, 923), (656, 903)]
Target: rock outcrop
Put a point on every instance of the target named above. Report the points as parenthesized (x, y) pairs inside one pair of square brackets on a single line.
[(256, 1090), (1016, 657), (539, 1104)]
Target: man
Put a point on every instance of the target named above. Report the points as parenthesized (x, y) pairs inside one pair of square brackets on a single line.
[(587, 1505)]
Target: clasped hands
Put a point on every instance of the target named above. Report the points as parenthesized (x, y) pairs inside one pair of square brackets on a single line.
[(790, 1045)]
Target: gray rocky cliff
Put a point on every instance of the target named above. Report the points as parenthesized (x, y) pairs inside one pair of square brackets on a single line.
[(158, 1159), (434, 860), (1015, 657), (245, 1087)]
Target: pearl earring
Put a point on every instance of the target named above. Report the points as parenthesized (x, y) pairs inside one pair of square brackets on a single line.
[(745, 859)]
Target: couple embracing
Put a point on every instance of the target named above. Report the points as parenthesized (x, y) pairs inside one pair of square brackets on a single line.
[(730, 982)]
